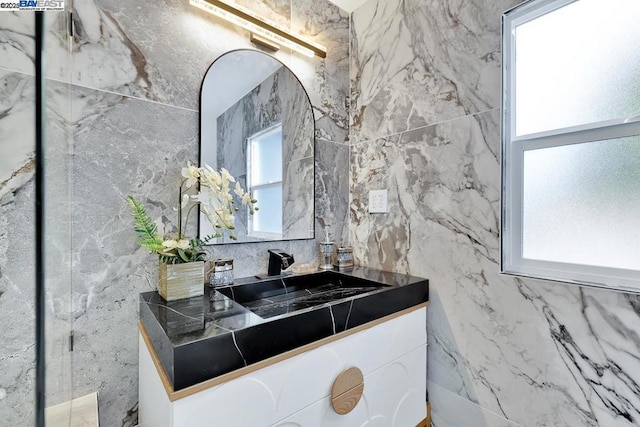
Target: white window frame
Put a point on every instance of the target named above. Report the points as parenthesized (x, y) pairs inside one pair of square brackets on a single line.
[(251, 187), (513, 148)]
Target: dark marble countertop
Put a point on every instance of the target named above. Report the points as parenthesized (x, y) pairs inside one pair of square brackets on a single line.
[(200, 338)]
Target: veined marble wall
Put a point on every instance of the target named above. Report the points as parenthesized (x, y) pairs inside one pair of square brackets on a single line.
[(425, 81), (128, 98)]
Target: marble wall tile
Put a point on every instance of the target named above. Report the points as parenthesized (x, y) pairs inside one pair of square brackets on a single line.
[(159, 52), (493, 340), (304, 251), (17, 134), (332, 191), (16, 264), (328, 83), (449, 409), (500, 343), (17, 311), (298, 199), (17, 45), (442, 173), (58, 260), (420, 62), (115, 156)]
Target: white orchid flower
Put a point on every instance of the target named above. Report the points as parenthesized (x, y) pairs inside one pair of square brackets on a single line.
[(227, 176), (208, 199), (173, 244), (238, 190), (216, 180), (211, 176), (191, 173), (185, 201)]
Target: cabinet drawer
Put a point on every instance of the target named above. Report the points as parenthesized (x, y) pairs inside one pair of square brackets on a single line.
[(394, 396)]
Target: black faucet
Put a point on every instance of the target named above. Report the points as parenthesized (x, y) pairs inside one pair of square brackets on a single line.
[(278, 261)]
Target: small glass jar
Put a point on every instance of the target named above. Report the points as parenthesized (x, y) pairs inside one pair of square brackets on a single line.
[(343, 257), (222, 274), (326, 251)]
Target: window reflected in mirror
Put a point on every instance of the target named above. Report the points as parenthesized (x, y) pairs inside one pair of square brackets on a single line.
[(265, 182)]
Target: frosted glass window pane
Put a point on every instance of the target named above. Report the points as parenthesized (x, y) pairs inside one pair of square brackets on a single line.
[(269, 218), (266, 158), (578, 64), (581, 204)]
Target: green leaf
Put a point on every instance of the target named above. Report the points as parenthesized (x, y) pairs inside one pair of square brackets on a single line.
[(183, 255), (208, 238), (152, 244), (169, 259), (144, 226)]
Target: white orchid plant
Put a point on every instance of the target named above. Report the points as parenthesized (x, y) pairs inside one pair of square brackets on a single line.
[(213, 194)]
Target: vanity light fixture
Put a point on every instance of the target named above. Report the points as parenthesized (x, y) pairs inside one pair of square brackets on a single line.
[(264, 42), (249, 20)]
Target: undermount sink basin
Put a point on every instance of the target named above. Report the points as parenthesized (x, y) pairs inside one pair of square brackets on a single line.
[(279, 296)]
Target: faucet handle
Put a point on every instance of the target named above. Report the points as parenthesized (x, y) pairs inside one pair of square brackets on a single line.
[(285, 262)]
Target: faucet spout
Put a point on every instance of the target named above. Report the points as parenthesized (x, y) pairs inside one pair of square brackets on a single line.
[(278, 261)]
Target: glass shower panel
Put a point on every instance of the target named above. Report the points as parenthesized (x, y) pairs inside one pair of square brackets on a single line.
[(58, 216)]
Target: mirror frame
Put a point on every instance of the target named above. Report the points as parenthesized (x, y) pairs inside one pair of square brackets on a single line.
[(313, 124)]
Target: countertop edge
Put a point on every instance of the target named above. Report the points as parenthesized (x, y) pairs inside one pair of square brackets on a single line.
[(196, 388)]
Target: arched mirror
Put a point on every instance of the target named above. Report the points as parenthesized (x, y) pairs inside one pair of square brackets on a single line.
[(256, 121)]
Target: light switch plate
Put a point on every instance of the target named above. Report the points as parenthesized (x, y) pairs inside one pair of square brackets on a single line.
[(378, 201)]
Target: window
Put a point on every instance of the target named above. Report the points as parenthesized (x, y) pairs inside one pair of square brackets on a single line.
[(571, 142), (265, 182)]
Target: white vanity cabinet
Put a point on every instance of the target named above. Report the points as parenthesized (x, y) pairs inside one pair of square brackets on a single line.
[(295, 391)]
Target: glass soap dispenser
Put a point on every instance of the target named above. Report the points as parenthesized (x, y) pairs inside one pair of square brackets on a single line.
[(326, 252)]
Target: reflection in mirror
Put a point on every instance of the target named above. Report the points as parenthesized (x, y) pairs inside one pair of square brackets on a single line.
[(256, 121)]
